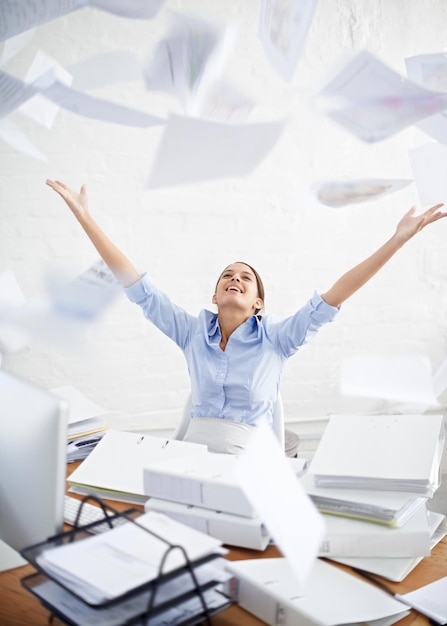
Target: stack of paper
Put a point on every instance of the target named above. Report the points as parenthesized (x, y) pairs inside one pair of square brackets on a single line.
[(380, 452), (118, 574), (392, 508), (375, 493), (397, 568), (86, 422), (204, 492), (114, 469), (357, 538)]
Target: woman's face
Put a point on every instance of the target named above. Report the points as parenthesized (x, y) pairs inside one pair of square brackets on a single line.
[(238, 287)]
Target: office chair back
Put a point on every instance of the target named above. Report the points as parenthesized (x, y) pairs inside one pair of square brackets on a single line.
[(278, 421)]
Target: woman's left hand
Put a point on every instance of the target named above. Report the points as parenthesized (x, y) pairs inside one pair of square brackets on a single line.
[(411, 224)]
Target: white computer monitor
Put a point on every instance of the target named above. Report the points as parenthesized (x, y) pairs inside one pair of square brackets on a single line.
[(33, 441)]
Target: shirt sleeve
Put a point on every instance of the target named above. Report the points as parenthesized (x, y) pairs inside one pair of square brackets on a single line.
[(299, 328), (157, 307)]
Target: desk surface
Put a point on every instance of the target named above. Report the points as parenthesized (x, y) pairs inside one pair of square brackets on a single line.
[(18, 607)]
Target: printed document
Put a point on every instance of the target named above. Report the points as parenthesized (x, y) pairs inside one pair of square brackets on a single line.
[(373, 102), (283, 29), (112, 563), (430, 71)]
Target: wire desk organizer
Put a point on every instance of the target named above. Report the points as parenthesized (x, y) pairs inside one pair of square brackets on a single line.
[(141, 605)]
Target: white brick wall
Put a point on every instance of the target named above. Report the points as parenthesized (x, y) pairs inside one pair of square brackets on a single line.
[(184, 236)]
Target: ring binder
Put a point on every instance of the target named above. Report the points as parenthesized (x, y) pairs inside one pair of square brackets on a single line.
[(168, 591)]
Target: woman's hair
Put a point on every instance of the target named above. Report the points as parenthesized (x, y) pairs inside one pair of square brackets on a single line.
[(259, 284)]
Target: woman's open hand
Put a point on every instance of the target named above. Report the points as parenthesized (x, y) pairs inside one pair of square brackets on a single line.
[(77, 202), (411, 224)]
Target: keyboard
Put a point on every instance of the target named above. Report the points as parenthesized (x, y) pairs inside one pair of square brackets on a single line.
[(90, 513)]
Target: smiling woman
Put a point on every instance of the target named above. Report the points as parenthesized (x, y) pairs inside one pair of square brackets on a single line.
[(235, 357)]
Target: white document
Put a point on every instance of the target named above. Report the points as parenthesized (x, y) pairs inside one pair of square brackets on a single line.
[(18, 16), (338, 194), (395, 452), (429, 167), (234, 530), (193, 150), (430, 71), (13, 93), (268, 589), (282, 504), (114, 469), (98, 108), (404, 378), (88, 295), (112, 563), (430, 600), (392, 508), (190, 60), (283, 29), (396, 569), (39, 108), (373, 102), (223, 102), (351, 537)]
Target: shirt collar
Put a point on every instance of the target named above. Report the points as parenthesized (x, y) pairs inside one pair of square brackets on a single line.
[(248, 327)]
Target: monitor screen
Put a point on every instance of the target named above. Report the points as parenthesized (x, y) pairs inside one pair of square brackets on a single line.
[(33, 441)]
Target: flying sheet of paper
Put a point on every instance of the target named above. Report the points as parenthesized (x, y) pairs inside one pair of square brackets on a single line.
[(429, 167), (373, 102), (338, 194), (225, 103), (39, 108), (16, 44), (97, 108), (18, 16), (405, 378), (88, 295), (118, 66), (283, 28), (430, 71), (192, 150), (292, 519), (12, 337), (61, 315), (139, 9), (13, 93), (14, 137), (190, 60)]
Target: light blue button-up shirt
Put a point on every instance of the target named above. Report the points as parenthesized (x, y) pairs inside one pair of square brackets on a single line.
[(241, 383)]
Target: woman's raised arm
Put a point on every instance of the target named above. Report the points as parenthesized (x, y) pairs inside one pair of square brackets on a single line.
[(119, 264), (355, 278)]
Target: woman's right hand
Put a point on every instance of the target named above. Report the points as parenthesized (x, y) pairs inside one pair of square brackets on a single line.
[(77, 202)]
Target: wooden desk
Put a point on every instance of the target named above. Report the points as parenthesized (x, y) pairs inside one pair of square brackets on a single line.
[(19, 607)]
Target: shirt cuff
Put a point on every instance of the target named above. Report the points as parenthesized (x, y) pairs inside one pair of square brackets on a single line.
[(140, 289), (322, 311)]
